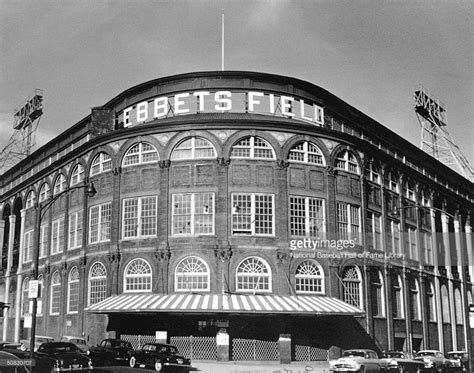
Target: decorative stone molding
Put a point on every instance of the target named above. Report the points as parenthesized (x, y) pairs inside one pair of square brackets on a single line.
[(163, 254), (331, 171), (166, 163), (282, 164), (83, 261), (114, 257), (282, 256), (223, 253), (223, 162), (117, 171)]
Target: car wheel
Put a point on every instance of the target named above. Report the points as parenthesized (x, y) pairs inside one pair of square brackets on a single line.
[(158, 366), (133, 361)]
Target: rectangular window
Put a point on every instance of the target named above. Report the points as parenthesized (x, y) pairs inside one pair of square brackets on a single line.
[(55, 299), (412, 245), (428, 248), (99, 223), (28, 246), (307, 217), (75, 230), (374, 230), (253, 214), (43, 240), (193, 214), (73, 297), (395, 227), (139, 217), (57, 237), (348, 222)]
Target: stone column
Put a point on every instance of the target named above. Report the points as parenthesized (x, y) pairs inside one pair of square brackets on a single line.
[(19, 279), (11, 239), (469, 247)]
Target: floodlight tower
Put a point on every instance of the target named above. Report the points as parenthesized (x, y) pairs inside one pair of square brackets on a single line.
[(25, 123), (435, 138)]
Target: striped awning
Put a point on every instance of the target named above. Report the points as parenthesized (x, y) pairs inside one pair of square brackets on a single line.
[(224, 303)]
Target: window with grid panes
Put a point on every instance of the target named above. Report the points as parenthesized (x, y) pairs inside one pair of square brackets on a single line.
[(192, 274), (25, 301), (139, 217), (415, 302), (59, 184), (397, 297), (307, 217), (75, 230), (252, 147), (347, 161), (372, 173), (99, 223), (193, 148), (97, 283), (57, 236), (253, 214), (45, 192), (101, 163), (306, 152), (352, 286), (55, 294), (410, 191), (391, 182), (412, 244), (138, 276), (43, 240), (309, 278), (77, 175), (254, 275), (30, 200), (28, 246), (73, 291), (396, 244), (348, 221), (140, 153), (378, 304), (374, 230), (193, 214)]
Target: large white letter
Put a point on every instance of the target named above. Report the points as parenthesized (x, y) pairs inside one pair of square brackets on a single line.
[(302, 111), (223, 104), (286, 106), (161, 107), (252, 100), (142, 111), (200, 95), (318, 114), (178, 103), (126, 117)]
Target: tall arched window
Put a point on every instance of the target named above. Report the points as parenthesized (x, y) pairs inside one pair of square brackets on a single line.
[(430, 302), (193, 148), (73, 291), (140, 153), (59, 184), (415, 301), (252, 147), (101, 163), (309, 278), (347, 161), (254, 275), (192, 274), (307, 152), (30, 200), (77, 175), (397, 297), (97, 283), (445, 304), (352, 286), (372, 173), (45, 192), (55, 294), (25, 301), (458, 307), (391, 182), (377, 289), (138, 276)]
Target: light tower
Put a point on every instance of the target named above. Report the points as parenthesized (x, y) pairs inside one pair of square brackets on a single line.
[(435, 138), (25, 123)]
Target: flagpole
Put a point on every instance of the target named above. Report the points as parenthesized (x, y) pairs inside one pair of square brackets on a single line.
[(222, 52)]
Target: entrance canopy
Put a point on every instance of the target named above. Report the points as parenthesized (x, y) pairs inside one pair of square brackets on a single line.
[(224, 303)]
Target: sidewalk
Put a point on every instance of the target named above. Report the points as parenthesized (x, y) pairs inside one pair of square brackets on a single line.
[(205, 366)]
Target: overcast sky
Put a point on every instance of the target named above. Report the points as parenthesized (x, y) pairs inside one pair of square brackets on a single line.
[(370, 53)]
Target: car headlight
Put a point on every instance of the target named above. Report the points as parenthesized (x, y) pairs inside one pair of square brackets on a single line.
[(393, 363), (158, 365)]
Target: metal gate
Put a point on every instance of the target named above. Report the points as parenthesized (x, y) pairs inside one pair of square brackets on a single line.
[(137, 341), (254, 349), (200, 348), (310, 353)]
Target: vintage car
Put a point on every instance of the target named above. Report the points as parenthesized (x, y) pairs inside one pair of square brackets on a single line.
[(459, 361), (111, 352), (15, 363), (359, 360), (39, 339), (78, 341), (161, 357), (61, 357), (434, 361), (14, 348), (400, 362)]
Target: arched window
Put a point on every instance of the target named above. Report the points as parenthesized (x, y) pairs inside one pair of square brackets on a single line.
[(430, 302), (352, 286), (97, 283), (77, 175), (347, 161), (140, 153), (391, 182), (73, 291), (254, 275), (377, 288), (445, 304), (59, 184), (307, 152), (192, 274), (397, 298), (415, 301), (252, 147), (309, 278), (138, 276), (458, 307), (55, 294), (45, 192), (30, 200), (101, 163), (372, 173), (193, 148), (25, 301), (39, 301)]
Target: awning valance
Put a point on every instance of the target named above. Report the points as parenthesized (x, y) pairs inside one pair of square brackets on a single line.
[(224, 303)]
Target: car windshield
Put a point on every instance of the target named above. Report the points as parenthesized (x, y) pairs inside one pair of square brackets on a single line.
[(122, 344), (455, 355), (426, 353), (57, 348), (149, 348), (354, 353), (397, 355)]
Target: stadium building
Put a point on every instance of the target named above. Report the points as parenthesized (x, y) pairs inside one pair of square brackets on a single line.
[(238, 215)]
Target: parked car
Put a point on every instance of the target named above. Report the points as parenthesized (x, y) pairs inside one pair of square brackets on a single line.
[(359, 360), (111, 352), (459, 360), (399, 361), (61, 357), (16, 364), (39, 339), (161, 357), (434, 361), (78, 341), (13, 348)]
